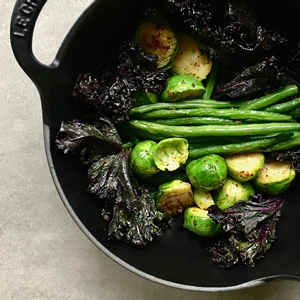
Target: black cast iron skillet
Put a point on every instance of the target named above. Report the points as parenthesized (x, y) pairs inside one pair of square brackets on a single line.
[(178, 258)]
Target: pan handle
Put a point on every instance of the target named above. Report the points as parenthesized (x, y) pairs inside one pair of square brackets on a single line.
[(23, 20)]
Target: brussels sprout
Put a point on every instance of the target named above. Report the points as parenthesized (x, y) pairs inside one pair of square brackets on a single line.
[(275, 177), (189, 59), (142, 162), (231, 192), (203, 199), (170, 153), (174, 197), (207, 173), (244, 167), (144, 98), (197, 221), (158, 39), (182, 87)]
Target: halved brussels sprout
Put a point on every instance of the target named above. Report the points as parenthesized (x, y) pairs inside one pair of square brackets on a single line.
[(182, 87), (142, 160), (170, 153), (189, 60), (231, 192), (158, 39), (275, 177), (244, 167), (174, 197), (197, 221), (203, 199), (207, 173)]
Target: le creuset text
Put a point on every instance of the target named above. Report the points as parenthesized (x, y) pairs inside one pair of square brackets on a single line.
[(23, 20)]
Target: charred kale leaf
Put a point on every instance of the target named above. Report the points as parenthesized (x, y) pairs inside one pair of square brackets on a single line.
[(111, 94), (254, 81), (129, 207), (86, 142), (231, 28), (250, 227)]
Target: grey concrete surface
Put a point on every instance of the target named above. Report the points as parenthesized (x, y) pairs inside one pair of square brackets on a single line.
[(43, 254)]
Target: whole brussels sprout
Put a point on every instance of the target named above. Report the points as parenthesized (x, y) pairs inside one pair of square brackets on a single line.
[(275, 177), (207, 173), (197, 221), (142, 162), (231, 192), (174, 197)]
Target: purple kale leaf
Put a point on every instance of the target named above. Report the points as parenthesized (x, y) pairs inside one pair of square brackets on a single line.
[(86, 141), (198, 17), (257, 242), (112, 94), (111, 178), (224, 254), (250, 227), (244, 216), (129, 208), (254, 81)]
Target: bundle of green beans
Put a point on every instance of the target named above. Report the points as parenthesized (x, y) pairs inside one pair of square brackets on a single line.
[(211, 126)]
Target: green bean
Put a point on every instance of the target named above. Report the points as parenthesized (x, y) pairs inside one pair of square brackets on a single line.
[(235, 114), (197, 103), (196, 121), (238, 147), (295, 113), (210, 83), (150, 129), (284, 107), (294, 141), (272, 98)]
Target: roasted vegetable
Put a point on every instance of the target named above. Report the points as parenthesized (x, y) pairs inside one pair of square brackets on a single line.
[(182, 87), (246, 166), (275, 177), (207, 173), (174, 197), (86, 141), (197, 221), (210, 83), (153, 130), (203, 199), (129, 207), (112, 94), (169, 154), (159, 40), (258, 144), (190, 60), (231, 192), (234, 114), (272, 98), (142, 162), (251, 228), (194, 103)]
